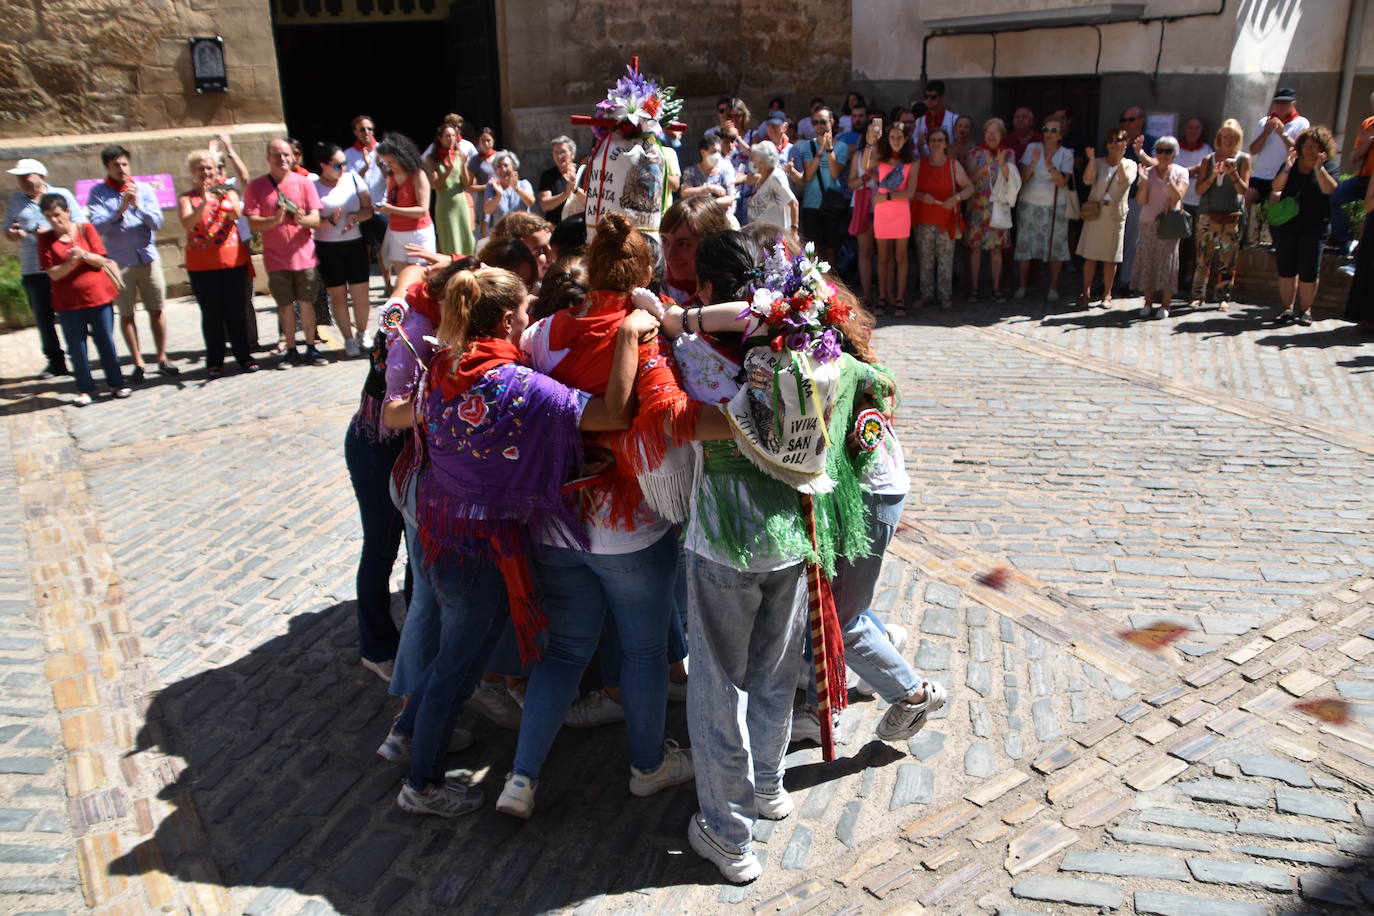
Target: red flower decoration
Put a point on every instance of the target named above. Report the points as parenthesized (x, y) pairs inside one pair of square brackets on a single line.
[(473, 410), (838, 313), (652, 106), (994, 578), (511, 452), (776, 344)]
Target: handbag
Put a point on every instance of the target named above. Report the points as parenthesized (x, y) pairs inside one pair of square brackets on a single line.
[(1281, 211), (861, 220), (1174, 224), (1090, 210)]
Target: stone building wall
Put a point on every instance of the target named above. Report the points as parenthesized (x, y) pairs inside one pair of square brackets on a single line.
[(750, 48), (97, 66)]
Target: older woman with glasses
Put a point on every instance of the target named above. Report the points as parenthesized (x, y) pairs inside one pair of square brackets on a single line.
[(1156, 258), (509, 193), (1100, 243), (1042, 225)]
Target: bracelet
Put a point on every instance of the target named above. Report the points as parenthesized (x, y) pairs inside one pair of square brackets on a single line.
[(701, 329)]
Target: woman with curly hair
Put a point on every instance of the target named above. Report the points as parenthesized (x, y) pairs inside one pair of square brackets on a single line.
[(1308, 176), (407, 201)]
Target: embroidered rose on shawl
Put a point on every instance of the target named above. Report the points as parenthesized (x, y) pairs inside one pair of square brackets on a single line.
[(473, 410), (511, 452)]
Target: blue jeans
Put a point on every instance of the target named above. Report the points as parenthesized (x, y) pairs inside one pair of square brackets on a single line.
[(98, 321), (576, 590), (609, 653), (472, 612), (369, 468), (1348, 191), (746, 633), (420, 631), (38, 289), (866, 647)]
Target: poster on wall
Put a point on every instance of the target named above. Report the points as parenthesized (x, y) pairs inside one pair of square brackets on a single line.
[(1162, 124), (207, 64), (163, 184)]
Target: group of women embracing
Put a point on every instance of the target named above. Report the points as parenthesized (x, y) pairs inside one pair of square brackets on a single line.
[(586, 467)]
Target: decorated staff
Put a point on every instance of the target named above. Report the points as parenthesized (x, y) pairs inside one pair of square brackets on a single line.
[(625, 171)]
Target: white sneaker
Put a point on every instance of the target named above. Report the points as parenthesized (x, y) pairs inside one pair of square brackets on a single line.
[(897, 635), (449, 800), (1161, 313), (675, 769), (806, 725), (396, 747), (773, 806), (351, 347), (122, 393), (595, 709), (517, 798), (1145, 311), (82, 400), (492, 700), (381, 669), (903, 719), (735, 867)]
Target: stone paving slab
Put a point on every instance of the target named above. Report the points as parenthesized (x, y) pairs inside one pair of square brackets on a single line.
[(192, 579)]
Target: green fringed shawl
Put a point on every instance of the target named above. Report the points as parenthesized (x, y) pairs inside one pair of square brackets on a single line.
[(841, 516)]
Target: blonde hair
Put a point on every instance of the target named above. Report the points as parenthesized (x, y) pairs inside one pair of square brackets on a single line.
[(1001, 125), (196, 157), (474, 303), (1229, 126)]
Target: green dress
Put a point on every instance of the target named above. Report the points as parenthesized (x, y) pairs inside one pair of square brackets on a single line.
[(452, 218)]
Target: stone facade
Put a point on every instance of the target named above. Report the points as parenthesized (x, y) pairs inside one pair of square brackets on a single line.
[(95, 66)]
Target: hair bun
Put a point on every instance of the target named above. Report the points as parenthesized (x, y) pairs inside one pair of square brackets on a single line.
[(615, 226)]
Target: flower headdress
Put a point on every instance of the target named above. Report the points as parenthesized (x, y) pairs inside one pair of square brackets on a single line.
[(637, 104), (797, 307)]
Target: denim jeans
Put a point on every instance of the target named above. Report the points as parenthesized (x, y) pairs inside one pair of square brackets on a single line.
[(38, 289), (369, 467), (420, 631), (1348, 191), (866, 647), (98, 321), (472, 612), (576, 590), (609, 654), (745, 629)]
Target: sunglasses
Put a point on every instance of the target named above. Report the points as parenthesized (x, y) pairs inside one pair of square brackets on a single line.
[(932, 95), (1132, 120), (1117, 139), (337, 165), (368, 130), (722, 110), (819, 122), (1049, 130), (1164, 152)]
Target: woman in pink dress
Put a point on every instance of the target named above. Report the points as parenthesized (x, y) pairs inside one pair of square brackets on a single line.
[(892, 216)]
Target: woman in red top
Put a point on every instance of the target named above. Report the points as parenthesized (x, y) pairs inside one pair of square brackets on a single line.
[(941, 183), (216, 262), (407, 201), (84, 285)]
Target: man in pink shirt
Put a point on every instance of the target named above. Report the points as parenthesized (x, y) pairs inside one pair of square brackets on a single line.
[(284, 206)]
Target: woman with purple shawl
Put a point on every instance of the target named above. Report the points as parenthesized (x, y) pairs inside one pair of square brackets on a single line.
[(496, 441)]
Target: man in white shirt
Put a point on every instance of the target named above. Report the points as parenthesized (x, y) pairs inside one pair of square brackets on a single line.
[(936, 115), (1274, 137)]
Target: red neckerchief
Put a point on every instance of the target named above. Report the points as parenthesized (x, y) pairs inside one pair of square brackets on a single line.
[(449, 156), (935, 117), (365, 149), (117, 185), (481, 356), (589, 340), (1291, 116), (990, 151), (300, 171), (1183, 144), (417, 297), (487, 155)]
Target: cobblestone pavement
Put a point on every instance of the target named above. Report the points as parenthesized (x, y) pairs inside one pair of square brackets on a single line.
[(185, 727)]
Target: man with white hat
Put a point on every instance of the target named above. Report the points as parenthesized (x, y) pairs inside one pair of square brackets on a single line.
[(23, 221)]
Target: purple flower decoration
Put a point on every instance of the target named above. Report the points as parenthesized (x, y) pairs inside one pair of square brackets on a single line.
[(827, 348), (797, 341)]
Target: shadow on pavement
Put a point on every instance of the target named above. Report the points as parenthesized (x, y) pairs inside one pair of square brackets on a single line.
[(285, 791)]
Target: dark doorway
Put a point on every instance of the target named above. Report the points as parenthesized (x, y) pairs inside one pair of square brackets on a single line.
[(1043, 95), (406, 73)]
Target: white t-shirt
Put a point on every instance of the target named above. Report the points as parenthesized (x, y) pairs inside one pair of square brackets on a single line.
[(602, 536), (1189, 158), (1274, 152), (771, 199), (342, 199), (887, 475), (947, 122), (375, 177), (1039, 188)]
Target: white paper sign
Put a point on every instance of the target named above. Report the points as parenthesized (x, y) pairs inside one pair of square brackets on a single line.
[(625, 175), (1161, 124)]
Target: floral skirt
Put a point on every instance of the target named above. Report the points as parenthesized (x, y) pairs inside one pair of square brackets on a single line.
[(978, 231), (1156, 261), (1042, 233)]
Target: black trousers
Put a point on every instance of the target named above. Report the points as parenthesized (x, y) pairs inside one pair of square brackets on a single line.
[(219, 293)]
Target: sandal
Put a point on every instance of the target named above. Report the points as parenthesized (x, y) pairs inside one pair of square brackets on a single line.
[(214, 372), (279, 349), (1106, 302), (999, 296), (1084, 301), (1286, 315), (899, 309), (1305, 319), (881, 307)]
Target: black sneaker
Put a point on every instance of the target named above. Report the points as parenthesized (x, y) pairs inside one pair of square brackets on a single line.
[(137, 375), (290, 358), (166, 368), (315, 357)]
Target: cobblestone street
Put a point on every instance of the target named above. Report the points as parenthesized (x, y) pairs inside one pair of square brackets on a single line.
[(185, 727)]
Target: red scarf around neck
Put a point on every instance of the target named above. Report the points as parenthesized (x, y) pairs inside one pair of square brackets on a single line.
[(364, 149), (117, 185), (1193, 147), (487, 155), (1293, 114), (935, 117), (417, 297), (481, 356)]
